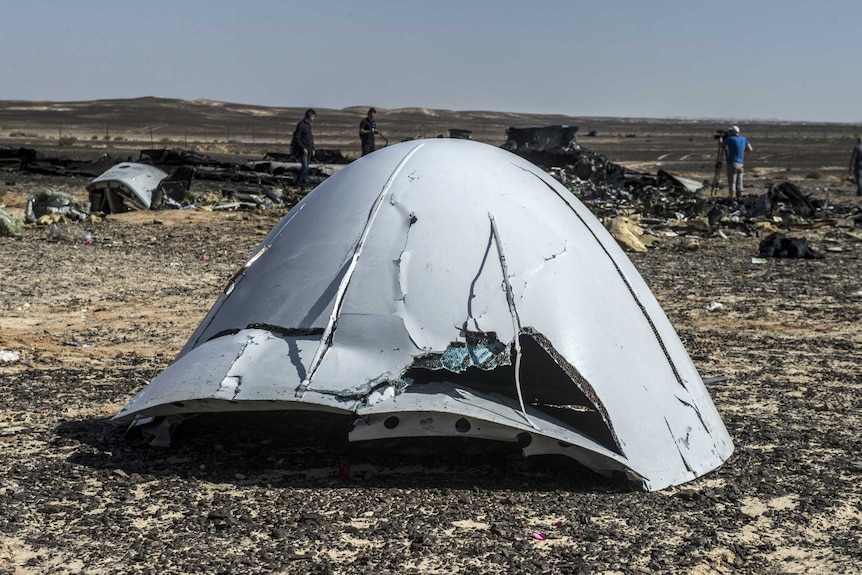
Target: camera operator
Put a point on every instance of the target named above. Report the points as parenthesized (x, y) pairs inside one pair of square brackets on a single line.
[(735, 147)]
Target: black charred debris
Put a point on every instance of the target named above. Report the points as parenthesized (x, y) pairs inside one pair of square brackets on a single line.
[(246, 185), (674, 205), (661, 202)]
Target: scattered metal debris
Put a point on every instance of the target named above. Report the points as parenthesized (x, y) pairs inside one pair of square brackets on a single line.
[(68, 232), (444, 287), (125, 187), (51, 202), (33, 161), (113, 191), (10, 226), (548, 145), (460, 134), (175, 157), (665, 201), (17, 157)]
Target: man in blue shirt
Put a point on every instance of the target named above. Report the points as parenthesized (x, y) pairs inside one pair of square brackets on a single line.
[(735, 146)]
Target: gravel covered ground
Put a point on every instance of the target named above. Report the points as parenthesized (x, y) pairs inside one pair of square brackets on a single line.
[(92, 323)]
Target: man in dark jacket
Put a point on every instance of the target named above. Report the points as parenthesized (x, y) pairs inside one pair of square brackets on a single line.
[(367, 129), (302, 146)]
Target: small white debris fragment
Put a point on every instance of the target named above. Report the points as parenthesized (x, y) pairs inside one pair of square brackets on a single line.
[(714, 306), (9, 356)]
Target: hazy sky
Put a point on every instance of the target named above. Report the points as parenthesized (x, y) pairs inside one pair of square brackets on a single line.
[(759, 59)]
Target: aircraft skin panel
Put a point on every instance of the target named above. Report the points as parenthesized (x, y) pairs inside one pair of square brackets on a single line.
[(133, 180), (437, 257)]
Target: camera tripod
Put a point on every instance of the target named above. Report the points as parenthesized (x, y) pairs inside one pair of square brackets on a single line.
[(716, 178)]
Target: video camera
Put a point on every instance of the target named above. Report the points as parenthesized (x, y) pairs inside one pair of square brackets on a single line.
[(721, 134)]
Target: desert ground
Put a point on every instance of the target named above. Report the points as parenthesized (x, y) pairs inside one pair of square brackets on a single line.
[(84, 325)]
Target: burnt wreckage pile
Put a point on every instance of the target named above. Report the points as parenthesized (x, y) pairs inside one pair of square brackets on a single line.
[(663, 200), (163, 177)]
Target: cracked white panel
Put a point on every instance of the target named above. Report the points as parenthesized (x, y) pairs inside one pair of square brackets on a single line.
[(367, 350), (491, 417), (229, 388), (267, 365), (294, 283), (139, 179), (708, 441), (428, 266), (443, 260), (572, 283), (599, 314)]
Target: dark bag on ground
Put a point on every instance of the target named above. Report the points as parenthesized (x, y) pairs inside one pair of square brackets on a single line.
[(776, 245)]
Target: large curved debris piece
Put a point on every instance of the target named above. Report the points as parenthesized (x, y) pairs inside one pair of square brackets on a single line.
[(450, 288), (126, 186)]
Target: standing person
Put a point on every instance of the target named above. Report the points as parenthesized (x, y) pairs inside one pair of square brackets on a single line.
[(856, 165), (367, 129), (735, 147), (302, 146)]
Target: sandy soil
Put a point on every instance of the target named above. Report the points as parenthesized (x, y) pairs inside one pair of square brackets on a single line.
[(91, 323)]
